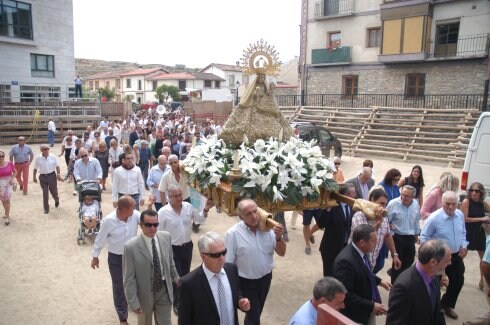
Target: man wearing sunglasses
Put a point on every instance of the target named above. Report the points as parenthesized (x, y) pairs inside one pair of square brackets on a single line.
[(211, 294), (149, 271), (87, 168)]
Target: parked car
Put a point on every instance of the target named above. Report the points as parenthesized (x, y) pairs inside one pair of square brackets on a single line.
[(325, 139), (477, 162)]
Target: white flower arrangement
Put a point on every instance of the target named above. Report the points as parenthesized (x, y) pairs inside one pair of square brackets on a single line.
[(279, 171)]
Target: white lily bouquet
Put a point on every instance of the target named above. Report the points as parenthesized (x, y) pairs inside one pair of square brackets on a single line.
[(278, 171)]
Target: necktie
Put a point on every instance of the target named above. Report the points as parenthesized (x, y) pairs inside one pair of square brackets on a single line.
[(223, 310), (346, 212), (433, 294), (372, 279), (157, 271)]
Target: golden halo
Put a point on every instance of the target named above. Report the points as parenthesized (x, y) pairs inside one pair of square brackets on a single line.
[(260, 58)]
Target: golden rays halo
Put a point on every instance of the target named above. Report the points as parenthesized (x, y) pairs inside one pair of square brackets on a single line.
[(262, 58)]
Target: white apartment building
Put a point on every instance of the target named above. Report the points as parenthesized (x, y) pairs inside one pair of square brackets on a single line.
[(36, 49)]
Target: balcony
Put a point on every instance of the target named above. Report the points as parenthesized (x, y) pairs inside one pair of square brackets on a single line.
[(470, 46), (336, 56), (333, 8), (464, 47)]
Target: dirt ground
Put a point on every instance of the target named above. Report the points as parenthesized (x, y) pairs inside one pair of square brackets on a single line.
[(46, 277)]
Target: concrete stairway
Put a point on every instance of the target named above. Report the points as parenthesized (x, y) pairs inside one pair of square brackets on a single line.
[(440, 135)]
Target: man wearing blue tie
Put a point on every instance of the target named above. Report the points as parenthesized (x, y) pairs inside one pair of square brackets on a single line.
[(352, 268)]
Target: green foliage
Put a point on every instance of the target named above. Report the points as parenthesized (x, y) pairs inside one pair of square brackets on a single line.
[(128, 98), (108, 93), (163, 92)]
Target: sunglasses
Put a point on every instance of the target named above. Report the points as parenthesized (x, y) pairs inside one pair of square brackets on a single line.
[(84, 156), (473, 190), (337, 164), (216, 255), (149, 225), (43, 149)]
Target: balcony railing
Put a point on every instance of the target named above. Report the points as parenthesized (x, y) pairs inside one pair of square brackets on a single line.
[(332, 8), (333, 56), (465, 46)]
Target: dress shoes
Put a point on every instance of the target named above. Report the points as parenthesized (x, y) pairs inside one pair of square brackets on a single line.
[(450, 312), (46, 211), (56, 204)]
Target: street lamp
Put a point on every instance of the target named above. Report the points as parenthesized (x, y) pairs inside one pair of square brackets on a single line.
[(236, 92)]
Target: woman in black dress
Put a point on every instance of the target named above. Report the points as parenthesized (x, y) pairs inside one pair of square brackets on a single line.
[(416, 179), (102, 156), (474, 208)]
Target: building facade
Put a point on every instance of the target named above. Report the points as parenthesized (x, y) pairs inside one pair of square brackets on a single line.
[(36, 49), (409, 47)]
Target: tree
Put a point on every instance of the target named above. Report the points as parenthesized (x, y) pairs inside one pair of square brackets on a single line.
[(164, 92), (128, 98), (107, 93)]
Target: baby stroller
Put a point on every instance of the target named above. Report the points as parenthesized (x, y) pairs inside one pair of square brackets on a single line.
[(93, 190)]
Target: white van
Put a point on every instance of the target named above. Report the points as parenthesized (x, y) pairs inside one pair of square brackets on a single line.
[(477, 163)]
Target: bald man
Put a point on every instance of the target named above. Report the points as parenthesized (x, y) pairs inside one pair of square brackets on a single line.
[(154, 178)]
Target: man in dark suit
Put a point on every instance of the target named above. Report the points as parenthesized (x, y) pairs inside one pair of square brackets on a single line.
[(363, 183), (134, 136), (337, 223), (149, 270), (415, 296), (352, 268), (210, 294)]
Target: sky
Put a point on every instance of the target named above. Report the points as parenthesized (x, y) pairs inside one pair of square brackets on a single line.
[(190, 32)]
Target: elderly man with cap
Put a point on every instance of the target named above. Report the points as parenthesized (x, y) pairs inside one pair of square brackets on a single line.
[(49, 173), (22, 155)]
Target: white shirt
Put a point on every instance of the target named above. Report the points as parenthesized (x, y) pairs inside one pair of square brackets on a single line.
[(169, 179), (150, 248), (46, 165), (51, 126), (69, 146), (251, 252), (154, 177), (90, 210), (213, 283), (115, 233), (127, 182), (114, 155), (179, 226)]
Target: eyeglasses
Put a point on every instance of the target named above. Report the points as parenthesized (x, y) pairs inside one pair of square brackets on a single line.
[(149, 225), (128, 158), (474, 190), (216, 255), (337, 164), (43, 149), (84, 156)]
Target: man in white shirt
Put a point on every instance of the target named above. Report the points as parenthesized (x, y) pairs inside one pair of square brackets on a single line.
[(128, 180), (104, 123), (176, 218), (252, 250), (154, 178), (49, 173), (211, 294), (148, 272), (116, 229), (51, 131)]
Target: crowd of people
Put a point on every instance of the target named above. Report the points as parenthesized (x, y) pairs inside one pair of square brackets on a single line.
[(151, 271)]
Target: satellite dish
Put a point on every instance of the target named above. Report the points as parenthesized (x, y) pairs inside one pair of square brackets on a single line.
[(161, 109)]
